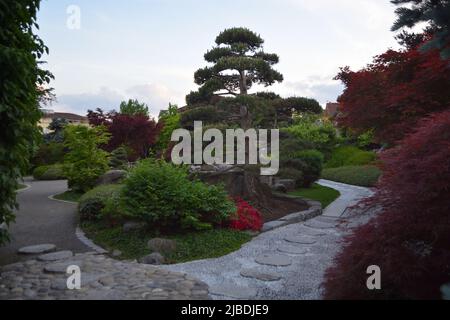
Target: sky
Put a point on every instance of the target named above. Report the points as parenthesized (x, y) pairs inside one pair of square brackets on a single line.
[(149, 49)]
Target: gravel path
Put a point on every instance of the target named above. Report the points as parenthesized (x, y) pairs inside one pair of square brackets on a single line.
[(42, 220), (285, 263)]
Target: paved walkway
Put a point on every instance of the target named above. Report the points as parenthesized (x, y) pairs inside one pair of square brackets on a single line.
[(42, 220), (285, 263)]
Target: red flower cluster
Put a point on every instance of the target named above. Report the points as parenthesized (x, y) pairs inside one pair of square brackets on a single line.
[(247, 217)]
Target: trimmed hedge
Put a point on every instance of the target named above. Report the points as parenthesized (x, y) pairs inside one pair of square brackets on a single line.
[(350, 156), (364, 176), (94, 201), (51, 172), (304, 167)]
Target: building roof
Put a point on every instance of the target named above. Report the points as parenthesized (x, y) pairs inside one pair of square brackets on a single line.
[(332, 109), (65, 115)]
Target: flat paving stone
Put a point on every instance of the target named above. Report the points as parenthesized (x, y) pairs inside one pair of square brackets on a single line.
[(326, 219), (311, 232), (233, 291), (61, 267), (273, 259), (301, 239), (292, 250), (36, 249), (54, 256), (259, 275), (319, 225)]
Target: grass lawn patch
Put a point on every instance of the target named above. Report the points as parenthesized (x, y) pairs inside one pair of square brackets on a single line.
[(69, 196), (365, 176), (190, 246), (21, 186), (324, 195)]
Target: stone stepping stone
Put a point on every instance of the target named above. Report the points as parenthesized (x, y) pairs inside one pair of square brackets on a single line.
[(233, 291), (311, 232), (326, 219), (54, 256), (36, 249), (61, 267), (319, 225), (258, 275), (273, 259), (300, 239), (292, 250)]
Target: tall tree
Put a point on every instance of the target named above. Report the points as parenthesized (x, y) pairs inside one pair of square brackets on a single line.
[(239, 61), (133, 108), (435, 12), (21, 86)]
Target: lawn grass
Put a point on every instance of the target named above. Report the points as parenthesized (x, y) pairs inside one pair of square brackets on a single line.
[(324, 195), (365, 176), (190, 246), (69, 196), (21, 186)]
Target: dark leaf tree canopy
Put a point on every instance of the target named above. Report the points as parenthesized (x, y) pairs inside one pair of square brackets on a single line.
[(133, 108), (22, 85), (238, 62), (436, 12)]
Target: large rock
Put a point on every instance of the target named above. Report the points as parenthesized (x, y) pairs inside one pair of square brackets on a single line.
[(132, 226), (162, 245), (111, 177), (289, 184), (54, 256), (154, 258)]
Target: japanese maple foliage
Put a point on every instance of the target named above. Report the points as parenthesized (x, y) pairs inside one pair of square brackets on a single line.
[(394, 92), (247, 217), (409, 240)]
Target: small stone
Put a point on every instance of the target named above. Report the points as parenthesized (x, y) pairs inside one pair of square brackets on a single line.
[(280, 188), (292, 250), (54, 256), (154, 258), (276, 260), (132, 226), (116, 253), (40, 248), (162, 245), (300, 239), (256, 274)]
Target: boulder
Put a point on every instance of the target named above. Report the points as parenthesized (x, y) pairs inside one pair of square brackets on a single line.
[(280, 188), (288, 183), (155, 258), (162, 245), (111, 177), (132, 225)]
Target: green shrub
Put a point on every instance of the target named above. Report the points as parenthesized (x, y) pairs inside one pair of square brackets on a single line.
[(119, 158), (51, 172), (365, 176), (48, 153), (308, 162), (207, 114), (291, 173), (85, 162), (93, 202), (161, 195), (349, 156)]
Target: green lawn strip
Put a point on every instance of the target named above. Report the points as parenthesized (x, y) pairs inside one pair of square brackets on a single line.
[(21, 186), (190, 246), (69, 196), (365, 176), (324, 195)]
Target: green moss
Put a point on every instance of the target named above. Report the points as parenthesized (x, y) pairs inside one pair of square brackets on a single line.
[(190, 246), (319, 193), (365, 176)]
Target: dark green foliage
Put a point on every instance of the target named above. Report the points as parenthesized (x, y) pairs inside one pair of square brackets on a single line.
[(48, 153), (349, 156), (21, 83), (118, 158), (57, 126), (94, 201), (308, 162), (299, 104), (238, 62), (133, 108), (436, 12), (207, 114), (365, 176), (50, 172), (85, 162), (291, 173), (161, 195), (268, 95)]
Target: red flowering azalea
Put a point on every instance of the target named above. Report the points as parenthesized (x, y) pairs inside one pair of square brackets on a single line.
[(247, 217)]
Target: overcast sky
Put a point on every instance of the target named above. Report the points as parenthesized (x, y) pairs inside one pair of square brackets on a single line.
[(150, 49)]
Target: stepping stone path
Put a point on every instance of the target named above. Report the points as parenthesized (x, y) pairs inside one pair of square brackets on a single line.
[(292, 250), (273, 259), (311, 232), (319, 225), (37, 249), (301, 239), (263, 276), (54, 256), (101, 278), (233, 291)]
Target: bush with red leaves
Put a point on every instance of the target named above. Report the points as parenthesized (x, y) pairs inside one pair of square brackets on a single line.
[(247, 217), (410, 238)]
